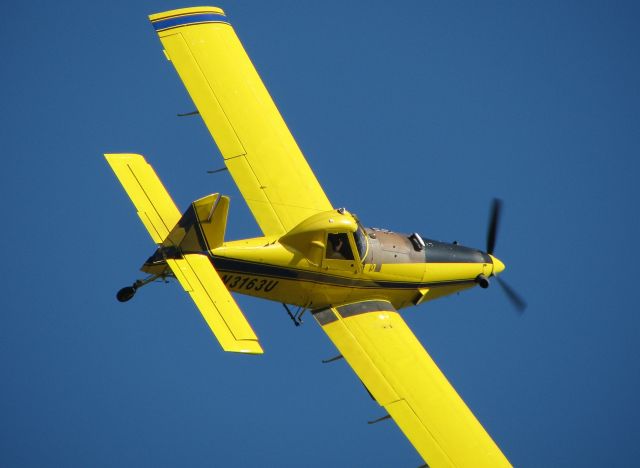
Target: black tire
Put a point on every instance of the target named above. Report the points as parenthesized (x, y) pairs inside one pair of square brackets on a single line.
[(126, 294)]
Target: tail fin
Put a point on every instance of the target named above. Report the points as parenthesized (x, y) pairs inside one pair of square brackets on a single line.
[(212, 212), (200, 229)]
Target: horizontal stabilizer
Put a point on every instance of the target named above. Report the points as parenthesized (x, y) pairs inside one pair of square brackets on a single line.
[(153, 203), (199, 278)]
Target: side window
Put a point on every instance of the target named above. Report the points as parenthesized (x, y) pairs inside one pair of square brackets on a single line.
[(338, 247)]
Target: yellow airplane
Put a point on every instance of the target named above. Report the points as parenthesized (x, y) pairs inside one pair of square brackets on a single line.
[(353, 279)]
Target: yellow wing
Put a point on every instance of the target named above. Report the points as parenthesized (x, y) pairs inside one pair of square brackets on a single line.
[(257, 147), (403, 378)]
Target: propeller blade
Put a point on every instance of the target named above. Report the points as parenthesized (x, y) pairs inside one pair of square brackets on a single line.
[(513, 296), (494, 220)]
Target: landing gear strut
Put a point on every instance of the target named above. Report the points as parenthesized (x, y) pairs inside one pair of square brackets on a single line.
[(297, 316), (127, 293)]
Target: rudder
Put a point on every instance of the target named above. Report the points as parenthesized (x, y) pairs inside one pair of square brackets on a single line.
[(202, 226)]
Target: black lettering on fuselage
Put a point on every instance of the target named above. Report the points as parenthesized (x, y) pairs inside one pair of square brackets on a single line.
[(248, 283)]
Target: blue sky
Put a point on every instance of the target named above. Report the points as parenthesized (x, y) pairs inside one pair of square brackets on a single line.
[(413, 116)]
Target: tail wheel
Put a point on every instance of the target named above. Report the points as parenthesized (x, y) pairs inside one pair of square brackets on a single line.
[(126, 293)]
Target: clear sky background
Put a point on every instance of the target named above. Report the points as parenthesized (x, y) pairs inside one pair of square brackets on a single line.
[(413, 115)]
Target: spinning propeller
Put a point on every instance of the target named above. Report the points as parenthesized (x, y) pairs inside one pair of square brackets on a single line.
[(492, 232)]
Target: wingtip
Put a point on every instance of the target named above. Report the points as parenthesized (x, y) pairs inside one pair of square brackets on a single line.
[(186, 17)]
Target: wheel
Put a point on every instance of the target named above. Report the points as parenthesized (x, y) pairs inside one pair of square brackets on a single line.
[(126, 293)]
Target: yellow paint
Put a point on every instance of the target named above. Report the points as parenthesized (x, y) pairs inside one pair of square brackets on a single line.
[(379, 346), (403, 378), (257, 147), (212, 212), (498, 266), (220, 311), (288, 264), (155, 207), (194, 272)]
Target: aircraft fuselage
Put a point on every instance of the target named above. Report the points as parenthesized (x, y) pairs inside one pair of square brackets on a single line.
[(391, 266)]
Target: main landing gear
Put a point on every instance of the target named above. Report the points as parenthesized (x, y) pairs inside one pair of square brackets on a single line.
[(127, 293), (297, 316)]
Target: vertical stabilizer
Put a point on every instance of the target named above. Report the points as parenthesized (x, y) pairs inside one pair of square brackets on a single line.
[(212, 212)]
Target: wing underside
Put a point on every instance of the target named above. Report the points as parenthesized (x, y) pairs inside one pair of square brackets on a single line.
[(402, 377), (258, 149)]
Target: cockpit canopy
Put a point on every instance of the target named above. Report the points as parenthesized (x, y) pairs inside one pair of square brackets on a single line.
[(334, 234)]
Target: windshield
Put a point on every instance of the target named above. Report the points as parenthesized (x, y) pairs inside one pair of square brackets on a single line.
[(361, 242)]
